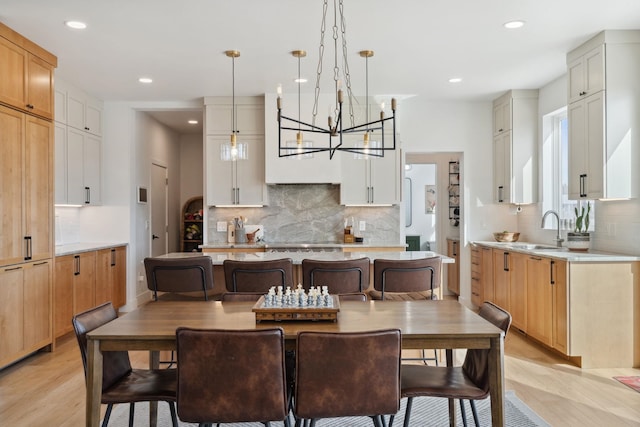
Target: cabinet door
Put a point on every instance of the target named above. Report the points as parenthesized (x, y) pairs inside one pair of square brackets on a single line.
[(251, 189), (501, 277), (104, 276), (76, 109), (11, 312), (539, 299), (39, 87), (13, 67), (354, 185), (60, 163), (577, 150), (12, 243), (93, 116), (501, 116), (65, 267), (37, 305), (384, 178), (502, 167), (453, 276), (84, 285), (586, 74), (560, 306), (119, 277), (518, 290), (75, 167), (249, 119), (220, 174), (39, 187), (92, 169), (488, 291)]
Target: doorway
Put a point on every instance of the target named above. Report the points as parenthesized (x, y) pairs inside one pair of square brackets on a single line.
[(159, 209)]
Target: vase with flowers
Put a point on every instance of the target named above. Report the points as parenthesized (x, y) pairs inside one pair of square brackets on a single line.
[(579, 238)]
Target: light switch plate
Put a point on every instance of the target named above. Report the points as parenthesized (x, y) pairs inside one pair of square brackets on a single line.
[(221, 226), (362, 226)]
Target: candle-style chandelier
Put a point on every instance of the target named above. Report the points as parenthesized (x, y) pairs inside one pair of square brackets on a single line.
[(337, 130)]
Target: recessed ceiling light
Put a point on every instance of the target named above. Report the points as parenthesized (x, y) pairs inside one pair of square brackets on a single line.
[(76, 25), (145, 80), (514, 24), (193, 122), (455, 80)]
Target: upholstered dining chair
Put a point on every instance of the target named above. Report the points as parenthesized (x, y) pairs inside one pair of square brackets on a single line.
[(229, 376), (341, 277), (189, 278), (331, 382), (469, 381), (257, 276), (121, 383)]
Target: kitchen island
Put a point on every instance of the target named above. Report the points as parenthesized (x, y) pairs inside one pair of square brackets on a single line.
[(217, 258)]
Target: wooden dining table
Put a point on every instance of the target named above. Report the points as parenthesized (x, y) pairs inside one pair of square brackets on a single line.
[(444, 324)]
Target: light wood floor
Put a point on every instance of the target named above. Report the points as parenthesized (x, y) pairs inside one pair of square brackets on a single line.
[(47, 389)]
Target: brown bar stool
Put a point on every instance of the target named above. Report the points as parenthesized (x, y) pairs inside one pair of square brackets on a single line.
[(257, 276), (180, 278), (341, 277)]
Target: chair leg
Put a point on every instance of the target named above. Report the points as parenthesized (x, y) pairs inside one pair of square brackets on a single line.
[(475, 413), (132, 413), (407, 413), (376, 421), (107, 415), (312, 423), (174, 417), (463, 413), (391, 418)]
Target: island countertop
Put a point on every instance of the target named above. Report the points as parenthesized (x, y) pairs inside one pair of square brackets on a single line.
[(563, 253), (297, 257)]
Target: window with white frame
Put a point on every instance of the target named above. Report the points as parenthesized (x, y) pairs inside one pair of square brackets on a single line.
[(555, 171)]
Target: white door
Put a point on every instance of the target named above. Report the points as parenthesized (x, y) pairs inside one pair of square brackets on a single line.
[(159, 213)]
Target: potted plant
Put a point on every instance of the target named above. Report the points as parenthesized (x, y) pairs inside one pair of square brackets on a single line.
[(579, 239)]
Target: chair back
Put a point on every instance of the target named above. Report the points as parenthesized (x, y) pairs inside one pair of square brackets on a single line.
[(176, 275), (257, 276), (115, 364), (347, 374), (406, 279), (230, 376), (476, 365), (341, 277)]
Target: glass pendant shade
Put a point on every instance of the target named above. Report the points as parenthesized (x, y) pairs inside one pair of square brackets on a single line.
[(365, 146), (233, 150), (298, 148)]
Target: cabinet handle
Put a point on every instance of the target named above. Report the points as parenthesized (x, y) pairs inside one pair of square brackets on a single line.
[(535, 258), (237, 195), (30, 106), (40, 263), (551, 278), (113, 257), (455, 248), (87, 195), (500, 196), (13, 268), (86, 128), (76, 261), (372, 195), (28, 247), (500, 130), (505, 261), (583, 178)]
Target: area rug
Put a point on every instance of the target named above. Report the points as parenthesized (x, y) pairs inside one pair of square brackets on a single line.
[(632, 382), (426, 412)]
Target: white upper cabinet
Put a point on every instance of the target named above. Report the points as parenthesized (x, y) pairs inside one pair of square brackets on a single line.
[(515, 130), (586, 74), (84, 112), (604, 95), (372, 181), (239, 182)]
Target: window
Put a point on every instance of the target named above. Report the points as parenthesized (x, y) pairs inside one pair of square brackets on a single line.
[(555, 171)]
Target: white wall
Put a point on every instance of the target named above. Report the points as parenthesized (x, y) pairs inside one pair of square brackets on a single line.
[(191, 167)]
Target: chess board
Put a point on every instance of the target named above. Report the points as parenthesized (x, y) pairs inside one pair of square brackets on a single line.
[(279, 313)]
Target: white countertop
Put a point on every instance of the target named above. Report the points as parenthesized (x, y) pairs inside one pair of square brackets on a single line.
[(297, 257), (74, 248), (561, 253), (325, 245)]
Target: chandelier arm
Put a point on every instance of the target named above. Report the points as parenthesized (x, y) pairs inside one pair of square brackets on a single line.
[(320, 59)]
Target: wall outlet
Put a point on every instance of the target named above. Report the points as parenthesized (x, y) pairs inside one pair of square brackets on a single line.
[(221, 226), (362, 225)]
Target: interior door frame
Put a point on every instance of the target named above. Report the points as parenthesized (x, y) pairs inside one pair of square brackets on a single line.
[(153, 203)]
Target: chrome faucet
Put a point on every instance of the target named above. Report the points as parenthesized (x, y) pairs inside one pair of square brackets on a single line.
[(558, 239)]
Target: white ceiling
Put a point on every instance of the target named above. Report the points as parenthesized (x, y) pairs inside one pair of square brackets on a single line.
[(418, 44)]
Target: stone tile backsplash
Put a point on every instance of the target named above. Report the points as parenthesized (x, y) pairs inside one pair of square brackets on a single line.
[(301, 213)]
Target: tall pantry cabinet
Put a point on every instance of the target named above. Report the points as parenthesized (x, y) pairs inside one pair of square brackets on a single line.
[(26, 196)]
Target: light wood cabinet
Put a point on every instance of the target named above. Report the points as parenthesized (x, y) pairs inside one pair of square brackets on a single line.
[(25, 312), (602, 92), (26, 197), (518, 290), (26, 80), (515, 129), (501, 278), (481, 275), (453, 270), (85, 280)]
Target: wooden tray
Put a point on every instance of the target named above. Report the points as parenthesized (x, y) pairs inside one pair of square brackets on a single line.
[(296, 313)]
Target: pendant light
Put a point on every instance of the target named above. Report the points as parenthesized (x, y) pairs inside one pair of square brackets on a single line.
[(299, 148), (233, 150), (367, 145)]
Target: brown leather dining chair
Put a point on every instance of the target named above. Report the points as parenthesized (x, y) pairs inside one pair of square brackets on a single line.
[(341, 277), (257, 276), (231, 376), (121, 383), (189, 278), (331, 381), (469, 381)]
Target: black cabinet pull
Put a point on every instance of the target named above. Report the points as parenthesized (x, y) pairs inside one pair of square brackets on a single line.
[(500, 195), (76, 261), (552, 280), (113, 257), (30, 106), (28, 248), (87, 195), (505, 260)]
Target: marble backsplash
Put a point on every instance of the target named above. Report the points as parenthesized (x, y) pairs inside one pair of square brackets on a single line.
[(310, 213)]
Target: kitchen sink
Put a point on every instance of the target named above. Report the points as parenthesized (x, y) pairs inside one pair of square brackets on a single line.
[(535, 247)]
